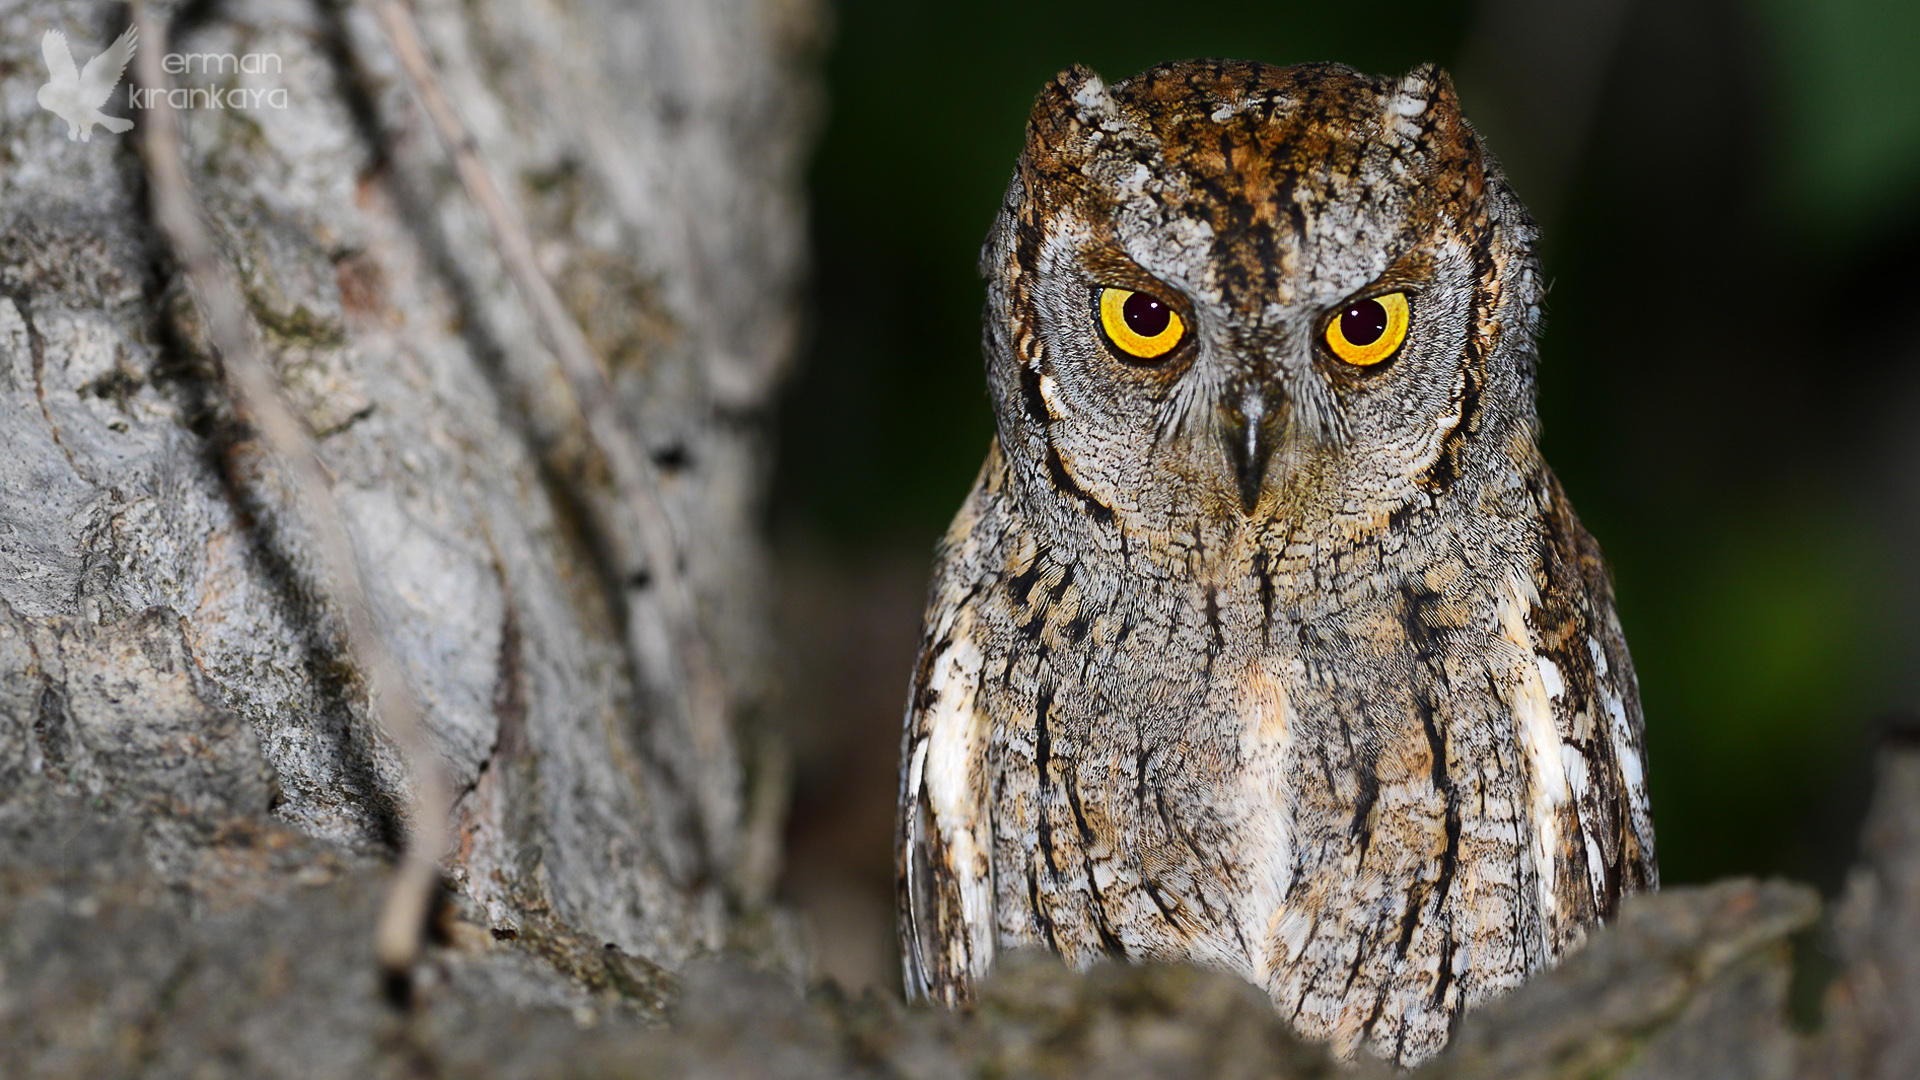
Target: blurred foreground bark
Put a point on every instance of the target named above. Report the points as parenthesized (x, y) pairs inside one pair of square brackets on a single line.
[(197, 814)]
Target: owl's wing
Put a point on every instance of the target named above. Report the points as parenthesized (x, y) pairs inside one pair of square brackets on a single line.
[(945, 856), (1587, 693), (1629, 849)]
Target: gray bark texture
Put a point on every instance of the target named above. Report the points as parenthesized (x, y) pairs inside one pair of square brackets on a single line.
[(198, 814), (655, 150)]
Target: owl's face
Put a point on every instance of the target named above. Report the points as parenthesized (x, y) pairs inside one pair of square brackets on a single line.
[(1229, 295)]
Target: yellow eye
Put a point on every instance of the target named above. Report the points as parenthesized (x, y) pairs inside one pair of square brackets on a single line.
[(1141, 326), (1369, 331)]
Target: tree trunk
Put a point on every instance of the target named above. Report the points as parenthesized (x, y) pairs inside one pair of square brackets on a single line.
[(655, 151)]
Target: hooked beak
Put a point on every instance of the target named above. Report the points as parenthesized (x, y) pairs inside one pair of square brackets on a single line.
[(1250, 425)]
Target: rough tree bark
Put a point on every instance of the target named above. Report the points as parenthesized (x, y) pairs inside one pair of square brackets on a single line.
[(655, 150), (197, 812)]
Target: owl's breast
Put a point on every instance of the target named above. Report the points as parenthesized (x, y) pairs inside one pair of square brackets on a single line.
[(1141, 778), (1350, 779)]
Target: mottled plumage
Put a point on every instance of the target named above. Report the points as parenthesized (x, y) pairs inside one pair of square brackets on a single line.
[(1245, 654)]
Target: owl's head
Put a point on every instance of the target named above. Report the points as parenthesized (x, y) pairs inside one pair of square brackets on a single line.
[(1224, 295)]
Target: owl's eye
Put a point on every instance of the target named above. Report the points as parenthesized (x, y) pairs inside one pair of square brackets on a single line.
[(1369, 331), (1141, 326)]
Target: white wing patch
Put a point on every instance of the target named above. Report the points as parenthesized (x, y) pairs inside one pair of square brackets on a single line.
[(1550, 678), (1633, 773), (1578, 778), (951, 764), (1539, 738)]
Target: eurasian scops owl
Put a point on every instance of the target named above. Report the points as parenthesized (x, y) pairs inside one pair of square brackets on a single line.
[(1265, 638)]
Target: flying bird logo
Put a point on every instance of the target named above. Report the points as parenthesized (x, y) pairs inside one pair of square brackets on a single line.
[(76, 96)]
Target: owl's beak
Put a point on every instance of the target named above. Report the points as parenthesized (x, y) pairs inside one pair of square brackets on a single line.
[(1250, 428)]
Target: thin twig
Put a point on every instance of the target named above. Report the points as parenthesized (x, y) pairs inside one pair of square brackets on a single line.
[(257, 400), (657, 563)]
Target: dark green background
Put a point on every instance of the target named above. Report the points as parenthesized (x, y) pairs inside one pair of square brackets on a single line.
[(1729, 379)]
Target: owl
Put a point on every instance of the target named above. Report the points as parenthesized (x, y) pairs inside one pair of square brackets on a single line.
[(1265, 638)]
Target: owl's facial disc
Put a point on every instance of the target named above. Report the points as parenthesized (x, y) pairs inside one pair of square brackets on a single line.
[(1228, 298)]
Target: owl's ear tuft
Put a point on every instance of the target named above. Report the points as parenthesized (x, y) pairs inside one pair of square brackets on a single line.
[(1081, 89), (1427, 89), (1425, 105), (1088, 91), (1074, 99)]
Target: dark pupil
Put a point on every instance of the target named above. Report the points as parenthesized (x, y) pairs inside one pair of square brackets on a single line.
[(1146, 316), (1364, 322)]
